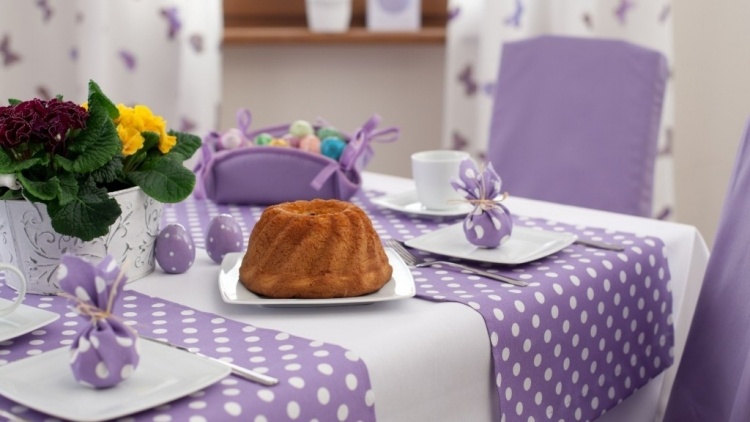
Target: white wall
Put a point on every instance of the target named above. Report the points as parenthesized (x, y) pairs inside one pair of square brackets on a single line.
[(346, 84)]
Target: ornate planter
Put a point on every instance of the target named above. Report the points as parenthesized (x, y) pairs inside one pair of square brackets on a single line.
[(28, 241)]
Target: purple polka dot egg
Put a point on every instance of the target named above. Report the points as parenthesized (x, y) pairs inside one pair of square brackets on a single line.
[(224, 236), (175, 249)]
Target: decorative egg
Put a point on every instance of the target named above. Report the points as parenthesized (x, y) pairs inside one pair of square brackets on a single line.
[(329, 132), (232, 139), (224, 236), (279, 142), (310, 143), (332, 147), (263, 139), (301, 128), (174, 249)]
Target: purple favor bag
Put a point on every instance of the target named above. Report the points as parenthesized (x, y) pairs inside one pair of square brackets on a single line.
[(489, 224), (262, 175), (104, 353)]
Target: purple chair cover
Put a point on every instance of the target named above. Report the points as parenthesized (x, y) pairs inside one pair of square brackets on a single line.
[(576, 121), (713, 379)]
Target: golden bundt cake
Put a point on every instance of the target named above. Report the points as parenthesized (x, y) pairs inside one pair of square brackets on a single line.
[(314, 249)]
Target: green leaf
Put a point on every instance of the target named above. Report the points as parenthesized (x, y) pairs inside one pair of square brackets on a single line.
[(96, 145), (150, 139), (64, 163), (10, 194), (98, 99), (13, 101), (8, 165), (88, 216), (43, 189), (164, 179), (68, 188), (109, 172), (186, 145)]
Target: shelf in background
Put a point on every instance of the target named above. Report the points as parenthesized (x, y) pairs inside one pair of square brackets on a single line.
[(284, 22)]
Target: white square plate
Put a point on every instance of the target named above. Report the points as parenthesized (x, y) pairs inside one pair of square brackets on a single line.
[(525, 245), (400, 286), (45, 383), (23, 320), (407, 202)]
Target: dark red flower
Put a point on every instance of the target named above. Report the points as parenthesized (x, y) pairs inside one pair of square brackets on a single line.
[(44, 122)]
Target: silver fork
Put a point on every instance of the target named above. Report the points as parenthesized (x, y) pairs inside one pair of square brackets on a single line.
[(412, 261)]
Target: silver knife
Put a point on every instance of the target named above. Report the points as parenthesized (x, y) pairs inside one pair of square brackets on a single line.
[(600, 245), (236, 369)]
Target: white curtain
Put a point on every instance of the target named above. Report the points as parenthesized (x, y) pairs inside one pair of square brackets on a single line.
[(478, 28), (161, 53)]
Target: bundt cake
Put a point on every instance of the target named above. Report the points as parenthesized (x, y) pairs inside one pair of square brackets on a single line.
[(314, 249)]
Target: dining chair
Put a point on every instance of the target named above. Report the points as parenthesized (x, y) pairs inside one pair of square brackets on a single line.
[(576, 121), (713, 378)]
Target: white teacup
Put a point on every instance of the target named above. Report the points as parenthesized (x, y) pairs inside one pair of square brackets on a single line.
[(20, 287), (432, 172)]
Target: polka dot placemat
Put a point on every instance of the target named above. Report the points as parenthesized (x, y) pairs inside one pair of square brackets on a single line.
[(318, 381)]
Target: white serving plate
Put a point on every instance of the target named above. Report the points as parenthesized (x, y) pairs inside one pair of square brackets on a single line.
[(400, 286), (525, 245), (24, 319), (45, 383), (408, 203)]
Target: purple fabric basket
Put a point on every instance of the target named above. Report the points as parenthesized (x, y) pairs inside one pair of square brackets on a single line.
[(271, 175)]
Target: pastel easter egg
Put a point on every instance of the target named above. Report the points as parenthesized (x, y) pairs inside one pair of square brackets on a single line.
[(231, 139), (175, 249), (292, 140), (279, 142), (329, 132), (332, 147), (301, 128), (263, 139), (310, 143), (224, 236)]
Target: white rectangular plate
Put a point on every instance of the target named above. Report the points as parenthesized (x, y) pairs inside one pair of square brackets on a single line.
[(407, 202), (400, 286), (45, 382), (23, 320), (525, 245)]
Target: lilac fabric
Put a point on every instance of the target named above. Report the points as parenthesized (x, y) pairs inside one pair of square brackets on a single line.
[(103, 353), (713, 379), (317, 380), (592, 327), (575, 121), (489, 224)]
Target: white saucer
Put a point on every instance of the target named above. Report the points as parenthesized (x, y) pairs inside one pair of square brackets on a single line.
[(45, 383), (407, 202), (525, 245), (23, 320), (400, 286)]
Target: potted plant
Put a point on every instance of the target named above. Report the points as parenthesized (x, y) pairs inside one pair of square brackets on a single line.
[(86, 172)]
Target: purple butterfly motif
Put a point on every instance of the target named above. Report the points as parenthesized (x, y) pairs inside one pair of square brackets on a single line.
[(173, 20), (622, 10), (488, 88), (8, 56), (186, 124), (515, 18), (466, 77), (666, 150), (459, 141), (588, 21), (73, 53), (664, 213), (196, 41), (46, 10), (666, 10), (79, 17), (43, 93), (128, 59), (454, 13)]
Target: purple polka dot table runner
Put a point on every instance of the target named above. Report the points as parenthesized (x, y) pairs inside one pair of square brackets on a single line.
[(591, 327), (318, 381)]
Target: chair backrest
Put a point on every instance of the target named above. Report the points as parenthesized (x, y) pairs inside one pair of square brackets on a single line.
[(576, 121), (713, 379)]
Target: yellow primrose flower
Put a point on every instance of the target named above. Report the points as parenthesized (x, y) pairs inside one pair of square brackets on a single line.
[(131, 138), (141, 119)]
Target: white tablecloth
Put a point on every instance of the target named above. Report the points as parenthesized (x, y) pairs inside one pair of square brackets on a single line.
[(431, 361)]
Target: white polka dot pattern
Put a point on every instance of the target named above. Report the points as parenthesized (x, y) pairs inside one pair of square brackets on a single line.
[(318, 381), (592, 327)]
